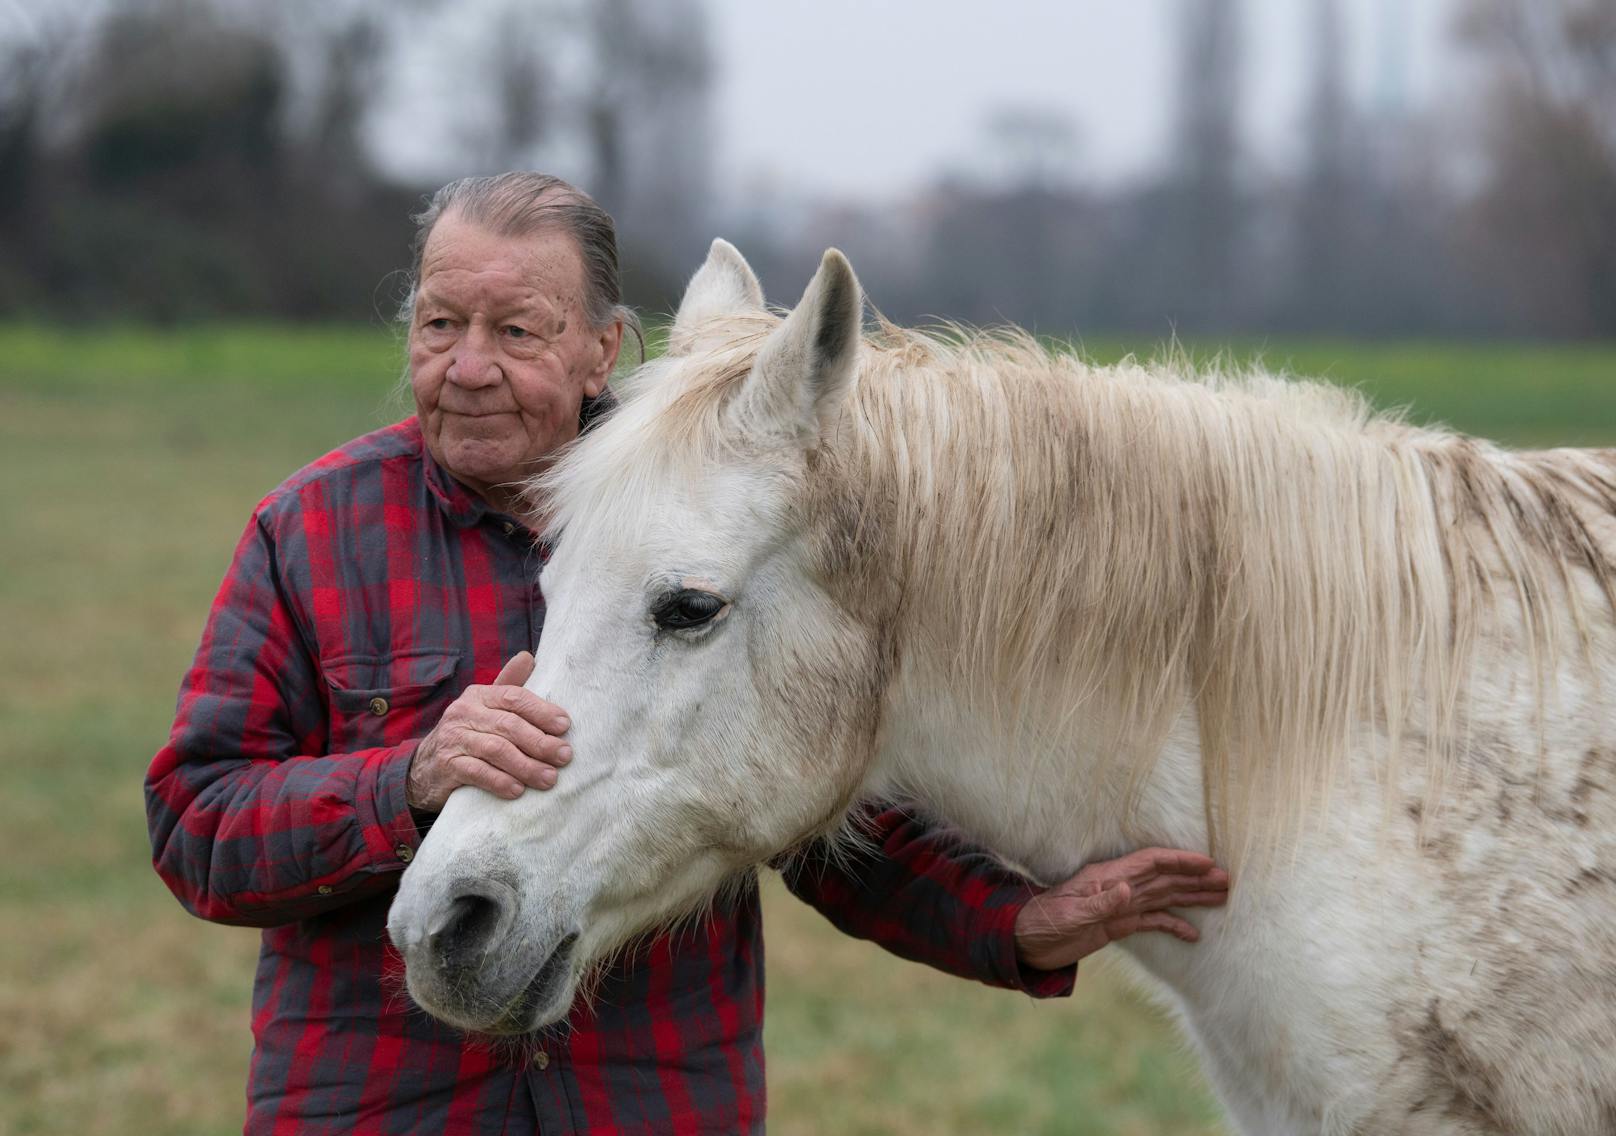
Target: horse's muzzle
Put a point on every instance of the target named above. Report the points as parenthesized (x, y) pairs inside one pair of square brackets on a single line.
[(471, 958)]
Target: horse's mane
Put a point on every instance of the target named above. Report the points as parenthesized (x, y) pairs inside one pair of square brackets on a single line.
[(1312, 574)]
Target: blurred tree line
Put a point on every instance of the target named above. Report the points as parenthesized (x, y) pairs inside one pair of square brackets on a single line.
[(1495, 216), (153, 166), (174, 159)]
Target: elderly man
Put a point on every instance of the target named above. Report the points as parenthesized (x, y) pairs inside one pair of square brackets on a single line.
[(363, 660)]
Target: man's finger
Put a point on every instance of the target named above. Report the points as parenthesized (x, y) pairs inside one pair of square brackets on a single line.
[(1153, 892), (527, 737), (517, 670), (1161, 921), (502, 754), (547, 716), (469, 770), (1167, 861), (1170, 925), (1197, 899)]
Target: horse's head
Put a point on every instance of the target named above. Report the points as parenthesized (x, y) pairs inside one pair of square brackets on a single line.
[(725, 703)]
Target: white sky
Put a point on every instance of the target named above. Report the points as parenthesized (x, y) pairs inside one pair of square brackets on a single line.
[(875, 98), (861, 98)]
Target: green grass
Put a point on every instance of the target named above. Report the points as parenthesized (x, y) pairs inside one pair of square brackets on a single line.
[(1521, 394), (131, 460)]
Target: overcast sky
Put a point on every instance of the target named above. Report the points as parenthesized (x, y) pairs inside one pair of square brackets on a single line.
[(873, 97)]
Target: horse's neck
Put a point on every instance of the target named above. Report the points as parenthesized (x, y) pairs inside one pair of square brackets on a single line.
[(1039, 793)]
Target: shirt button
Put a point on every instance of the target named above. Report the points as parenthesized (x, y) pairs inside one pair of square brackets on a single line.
[(378, 706), (324, 889), (405, 853), (541, 1060), (508, 527)]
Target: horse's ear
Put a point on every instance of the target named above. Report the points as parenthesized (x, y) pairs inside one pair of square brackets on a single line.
[(807, 362), (724, 285)]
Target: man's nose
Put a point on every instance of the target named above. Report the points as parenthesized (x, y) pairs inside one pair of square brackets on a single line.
[(475, 363)]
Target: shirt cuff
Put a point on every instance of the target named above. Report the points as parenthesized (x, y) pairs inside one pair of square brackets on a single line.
[(1000, 937), (390, 828)]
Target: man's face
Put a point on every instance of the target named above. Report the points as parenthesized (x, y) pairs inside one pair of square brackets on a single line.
[(501, 354)]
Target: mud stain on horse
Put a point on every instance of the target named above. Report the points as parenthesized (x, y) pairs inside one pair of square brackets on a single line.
[(1594, 775), (1459, 1085), (1589, 878), (1503, 796)]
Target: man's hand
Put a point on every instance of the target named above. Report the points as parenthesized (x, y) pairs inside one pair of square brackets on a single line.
[(501, 738), (1113, 899)]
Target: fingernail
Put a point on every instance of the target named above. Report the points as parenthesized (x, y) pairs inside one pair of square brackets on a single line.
[(563, 724), (564, 753), (547, 778), (512, 794)]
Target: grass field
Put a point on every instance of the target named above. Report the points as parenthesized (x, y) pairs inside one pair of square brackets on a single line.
[(132, 460)]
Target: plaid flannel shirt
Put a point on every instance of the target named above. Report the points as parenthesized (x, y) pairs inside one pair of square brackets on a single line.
[(367, 592)]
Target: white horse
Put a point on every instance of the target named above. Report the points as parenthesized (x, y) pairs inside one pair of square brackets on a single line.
[(1075, 609)]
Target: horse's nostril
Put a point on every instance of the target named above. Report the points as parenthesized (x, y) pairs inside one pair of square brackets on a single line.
[(464, 934)]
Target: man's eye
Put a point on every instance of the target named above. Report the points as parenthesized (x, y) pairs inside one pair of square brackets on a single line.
[(687, 608), (439, 324), (514, 332)]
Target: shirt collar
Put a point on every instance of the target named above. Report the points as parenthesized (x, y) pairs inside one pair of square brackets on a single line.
[(463, 507)]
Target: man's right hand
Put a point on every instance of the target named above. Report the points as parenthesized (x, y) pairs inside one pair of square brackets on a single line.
[(501, 738)]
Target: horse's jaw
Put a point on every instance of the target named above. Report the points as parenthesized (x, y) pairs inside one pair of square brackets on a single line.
[(1036, 792)]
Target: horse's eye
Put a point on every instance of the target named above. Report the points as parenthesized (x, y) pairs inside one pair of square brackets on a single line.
[(686, 608)]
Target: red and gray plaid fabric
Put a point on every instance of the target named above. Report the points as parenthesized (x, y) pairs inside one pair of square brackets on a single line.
[(367, 592)]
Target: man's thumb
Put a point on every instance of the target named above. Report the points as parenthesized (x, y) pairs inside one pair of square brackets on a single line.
[(515, 672), (1111, 900)]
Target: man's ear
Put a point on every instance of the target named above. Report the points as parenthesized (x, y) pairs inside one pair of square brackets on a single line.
[(806, 364), (610, 343), (724, 285)]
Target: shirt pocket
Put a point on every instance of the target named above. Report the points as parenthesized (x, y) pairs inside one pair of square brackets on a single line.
[(379, 700)]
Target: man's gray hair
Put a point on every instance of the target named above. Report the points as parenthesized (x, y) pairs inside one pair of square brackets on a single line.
[(521, 204)]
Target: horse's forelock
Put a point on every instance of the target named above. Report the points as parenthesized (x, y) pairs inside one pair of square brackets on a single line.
[(669, 425)]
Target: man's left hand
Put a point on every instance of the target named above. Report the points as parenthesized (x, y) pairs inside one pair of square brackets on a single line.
[(1113, 899)]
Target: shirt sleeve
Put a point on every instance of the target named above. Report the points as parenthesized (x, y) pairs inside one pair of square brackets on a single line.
[(924, 894), (250, 822)]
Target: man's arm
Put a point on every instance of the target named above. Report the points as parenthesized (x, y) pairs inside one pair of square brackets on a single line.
[(924, 894), (250, 823)]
